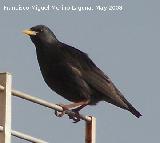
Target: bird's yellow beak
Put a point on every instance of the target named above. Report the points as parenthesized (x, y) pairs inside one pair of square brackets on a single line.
[(30, 32)]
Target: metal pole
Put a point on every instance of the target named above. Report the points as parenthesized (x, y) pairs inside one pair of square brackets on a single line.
[(26, 137), (1, 129), (91, 131), (5, 108), (43, 103), (5, 113)]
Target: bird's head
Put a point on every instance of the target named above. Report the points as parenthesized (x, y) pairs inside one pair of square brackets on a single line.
[(41, 34)]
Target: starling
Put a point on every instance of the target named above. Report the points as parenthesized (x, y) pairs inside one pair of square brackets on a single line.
[(72, 74)]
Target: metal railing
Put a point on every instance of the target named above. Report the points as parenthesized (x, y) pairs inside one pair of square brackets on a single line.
[(5, 113), (24, 136)]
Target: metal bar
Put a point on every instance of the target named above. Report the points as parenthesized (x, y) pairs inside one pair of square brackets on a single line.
[(44, 103), (91, 131), (1, 128), (2, 87), (5, 108), (5, 114), (26, 137)]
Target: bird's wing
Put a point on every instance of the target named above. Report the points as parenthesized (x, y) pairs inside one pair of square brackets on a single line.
[(91, 75), (74, 77), (99, 81)]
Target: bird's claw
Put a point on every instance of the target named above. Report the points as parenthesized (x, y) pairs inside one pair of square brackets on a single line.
[(75, 117), (61, 113)]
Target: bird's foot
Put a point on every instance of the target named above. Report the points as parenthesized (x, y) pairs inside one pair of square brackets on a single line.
[(76, 117), (73, 116), (60, 114)]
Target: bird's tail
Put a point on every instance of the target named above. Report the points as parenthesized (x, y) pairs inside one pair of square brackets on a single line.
[(123, 103), (134, 111), (130, 108)]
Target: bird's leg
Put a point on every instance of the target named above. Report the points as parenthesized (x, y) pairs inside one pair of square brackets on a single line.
[(76, 117), (60, 114), (79, 108), (67, 107)]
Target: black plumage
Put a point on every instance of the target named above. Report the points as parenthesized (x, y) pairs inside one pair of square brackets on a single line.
[(72, 74)]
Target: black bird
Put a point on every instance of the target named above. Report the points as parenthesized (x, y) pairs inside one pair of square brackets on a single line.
[(72, 74)]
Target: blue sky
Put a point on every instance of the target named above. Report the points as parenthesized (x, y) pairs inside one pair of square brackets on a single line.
[(124, 44)]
